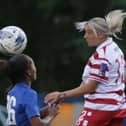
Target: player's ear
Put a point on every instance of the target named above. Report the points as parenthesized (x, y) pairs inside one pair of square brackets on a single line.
[(28, 73), (101, 34)]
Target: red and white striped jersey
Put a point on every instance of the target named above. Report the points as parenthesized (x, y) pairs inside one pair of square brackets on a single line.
[(106, 66)]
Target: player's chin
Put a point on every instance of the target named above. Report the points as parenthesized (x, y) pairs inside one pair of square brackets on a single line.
[(90, 44), (34, 78)]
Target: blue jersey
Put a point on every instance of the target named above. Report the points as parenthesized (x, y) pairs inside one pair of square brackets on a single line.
[(22, 104)]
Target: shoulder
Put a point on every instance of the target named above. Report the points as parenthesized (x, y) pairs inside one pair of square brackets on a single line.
[(30, 92), (29, 96), (109, 51), (27, 91), (99, 57)]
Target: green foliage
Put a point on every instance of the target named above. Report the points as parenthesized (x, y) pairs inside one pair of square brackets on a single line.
[(119, 4), (59, 51)]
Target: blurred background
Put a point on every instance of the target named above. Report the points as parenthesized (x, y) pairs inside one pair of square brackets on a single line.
[(58, 49)]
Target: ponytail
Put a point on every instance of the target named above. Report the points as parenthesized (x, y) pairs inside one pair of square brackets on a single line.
[(115, 19), (110, 25)]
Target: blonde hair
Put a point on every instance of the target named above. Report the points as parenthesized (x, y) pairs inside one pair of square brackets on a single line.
[(110, 25)]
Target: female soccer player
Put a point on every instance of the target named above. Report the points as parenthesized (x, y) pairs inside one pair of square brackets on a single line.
[(103, 77), (22, 104)]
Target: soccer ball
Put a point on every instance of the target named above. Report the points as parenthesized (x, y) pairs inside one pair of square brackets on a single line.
[(13, 40)]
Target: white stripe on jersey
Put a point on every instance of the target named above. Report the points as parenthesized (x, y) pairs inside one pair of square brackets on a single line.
[(104, 107), (98, 79), (113, 96), (107, 54)]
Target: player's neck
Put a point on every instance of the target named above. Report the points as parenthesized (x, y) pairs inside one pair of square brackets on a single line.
[(28, 83)]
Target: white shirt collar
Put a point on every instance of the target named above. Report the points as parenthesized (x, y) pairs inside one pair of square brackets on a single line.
[(108, 41)]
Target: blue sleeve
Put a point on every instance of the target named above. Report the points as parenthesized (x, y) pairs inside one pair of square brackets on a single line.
[(31, 105)]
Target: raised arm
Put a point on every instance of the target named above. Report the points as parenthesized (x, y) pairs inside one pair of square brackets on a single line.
[(84, 88)]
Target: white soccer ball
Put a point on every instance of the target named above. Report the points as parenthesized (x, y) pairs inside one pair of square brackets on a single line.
[(13, 40)]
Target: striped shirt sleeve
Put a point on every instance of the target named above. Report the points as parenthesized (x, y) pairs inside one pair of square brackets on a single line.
[(99, 68)]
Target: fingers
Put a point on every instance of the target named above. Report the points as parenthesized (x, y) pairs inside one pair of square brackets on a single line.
[(52, 102), (53, 109), (52, 97)]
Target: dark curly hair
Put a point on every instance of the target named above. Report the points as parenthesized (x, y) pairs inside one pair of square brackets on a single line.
[(17, 66)]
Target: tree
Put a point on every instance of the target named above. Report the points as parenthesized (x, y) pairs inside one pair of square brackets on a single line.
[(59, 51)]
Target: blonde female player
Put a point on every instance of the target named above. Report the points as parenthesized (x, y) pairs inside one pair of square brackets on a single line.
[(103, 77)]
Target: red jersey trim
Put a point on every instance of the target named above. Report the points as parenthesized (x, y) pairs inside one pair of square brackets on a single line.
[(103, 101), (119, 92), (95, 66), (96, 56), (98, 76)]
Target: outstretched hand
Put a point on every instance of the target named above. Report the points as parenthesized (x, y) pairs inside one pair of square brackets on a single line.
[(53, 98)]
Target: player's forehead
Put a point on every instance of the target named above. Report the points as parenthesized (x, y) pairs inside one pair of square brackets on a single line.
[(88, 28), (30, 61)]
